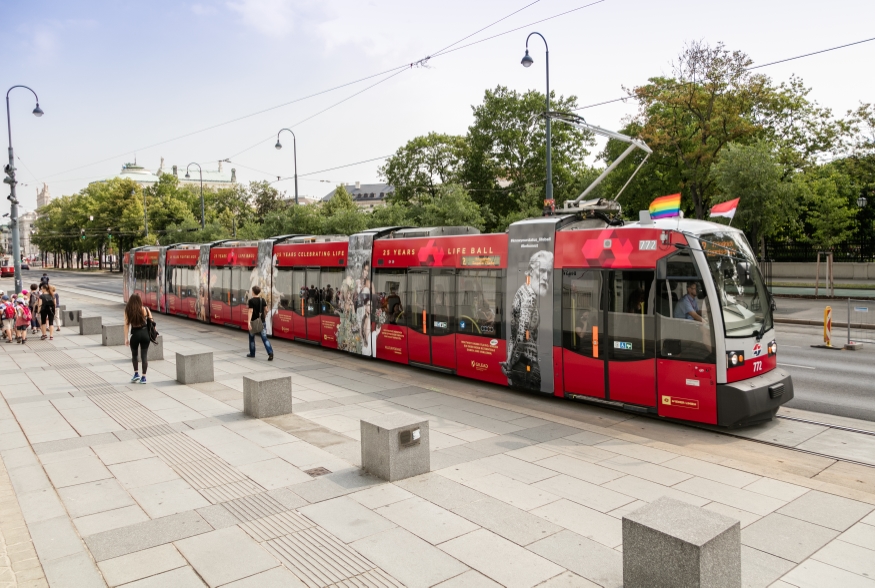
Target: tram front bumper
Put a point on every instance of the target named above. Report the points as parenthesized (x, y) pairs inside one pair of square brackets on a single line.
[(753, 400)]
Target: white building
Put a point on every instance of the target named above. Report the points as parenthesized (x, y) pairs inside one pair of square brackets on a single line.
[(43, 197), (367, 196), (213, 178)]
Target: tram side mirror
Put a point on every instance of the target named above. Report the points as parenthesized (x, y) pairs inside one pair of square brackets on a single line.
[(772, 304)]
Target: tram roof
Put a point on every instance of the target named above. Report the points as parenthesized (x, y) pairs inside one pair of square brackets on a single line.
[(684, 225)]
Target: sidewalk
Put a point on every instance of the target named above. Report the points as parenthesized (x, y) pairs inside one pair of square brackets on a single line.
[(170, 485), (806, 311)]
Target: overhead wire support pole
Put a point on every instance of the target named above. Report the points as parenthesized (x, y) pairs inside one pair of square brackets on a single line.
[(294, 155), (10, 179), (527, 61), (201, 171)]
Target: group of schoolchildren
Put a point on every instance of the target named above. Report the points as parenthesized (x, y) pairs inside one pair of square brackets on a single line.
[(33, 309)]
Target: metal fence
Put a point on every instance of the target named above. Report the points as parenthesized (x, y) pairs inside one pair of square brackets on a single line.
[(850, 251), (766, 271), (861, 321)]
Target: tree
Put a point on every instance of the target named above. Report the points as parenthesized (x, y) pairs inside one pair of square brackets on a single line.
[(451, 206), (304, 219), (689, 118), (769, 203), (341, 200), (265, 198), (829, 219), (507, 151), (423, 164)]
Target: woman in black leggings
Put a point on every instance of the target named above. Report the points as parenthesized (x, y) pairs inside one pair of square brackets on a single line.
[(135, 320)]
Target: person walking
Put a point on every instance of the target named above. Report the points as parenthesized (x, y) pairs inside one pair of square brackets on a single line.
[(136, 316), (256, 317), (8, 317), (22, 319), (46, 308), (54, 292), (32, 302)]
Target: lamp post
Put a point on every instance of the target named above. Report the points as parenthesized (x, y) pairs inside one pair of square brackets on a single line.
[(10, 179), (295, 156), (527, 61), (861, 204), (202, 188)]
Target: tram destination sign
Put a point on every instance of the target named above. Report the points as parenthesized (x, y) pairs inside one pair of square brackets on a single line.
[(481, 260)]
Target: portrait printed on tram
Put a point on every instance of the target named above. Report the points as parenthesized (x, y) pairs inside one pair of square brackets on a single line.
[(354, 331), (202, 270), (522, 367)]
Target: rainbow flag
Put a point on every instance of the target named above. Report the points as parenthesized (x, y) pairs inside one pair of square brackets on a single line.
[(666, 206)]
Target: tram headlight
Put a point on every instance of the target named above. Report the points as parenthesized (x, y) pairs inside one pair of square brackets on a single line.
[(734, 358), (773, 347)]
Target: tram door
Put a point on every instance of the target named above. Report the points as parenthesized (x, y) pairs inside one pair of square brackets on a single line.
[(313, 304), (608, 335), (432, 317)]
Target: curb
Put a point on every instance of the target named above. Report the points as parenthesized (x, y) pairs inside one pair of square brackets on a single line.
[(819, 323)]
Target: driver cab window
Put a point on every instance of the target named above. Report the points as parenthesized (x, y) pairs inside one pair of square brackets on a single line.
[(684, 312)]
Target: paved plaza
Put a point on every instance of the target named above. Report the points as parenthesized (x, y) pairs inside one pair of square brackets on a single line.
[(105, 483)]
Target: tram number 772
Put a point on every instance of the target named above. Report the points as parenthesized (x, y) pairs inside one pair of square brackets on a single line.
[(757, 366)]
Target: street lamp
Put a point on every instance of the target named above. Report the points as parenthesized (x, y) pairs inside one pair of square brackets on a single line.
[(295, 154), (202, 188), (10, 179), (527, 61)]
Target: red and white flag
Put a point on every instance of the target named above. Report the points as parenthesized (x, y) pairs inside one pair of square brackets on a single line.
[(725, 209)]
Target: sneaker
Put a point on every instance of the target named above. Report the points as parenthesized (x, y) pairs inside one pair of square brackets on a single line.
[(135, 378), (143, 380), (247, 355), (270, 357)]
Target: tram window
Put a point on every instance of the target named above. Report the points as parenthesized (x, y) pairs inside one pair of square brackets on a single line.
[(479, 303), (221, 284), (390, 296), (235, 297), (581, 310), (417, 302), (313, 306), (331, 277), (679, 299), (443, 284), (283, 285), (299, 290), (630, 316)]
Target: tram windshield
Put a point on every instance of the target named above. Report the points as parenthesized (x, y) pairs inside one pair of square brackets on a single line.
[(742, 294)]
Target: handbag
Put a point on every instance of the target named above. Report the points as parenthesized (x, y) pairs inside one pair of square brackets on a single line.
[(153, 328), (257, 324)]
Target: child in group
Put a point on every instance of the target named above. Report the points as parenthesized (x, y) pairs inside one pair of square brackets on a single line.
[(22, 319), (8, 318)]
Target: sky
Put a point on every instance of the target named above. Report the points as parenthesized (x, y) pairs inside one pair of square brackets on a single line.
[(121, 80)]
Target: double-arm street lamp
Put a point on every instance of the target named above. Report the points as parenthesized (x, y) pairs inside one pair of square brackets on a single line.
[(10, 179), (527, 61), (202, 188), (294, 153)]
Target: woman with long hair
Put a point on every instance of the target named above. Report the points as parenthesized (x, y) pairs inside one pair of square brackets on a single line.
[(136, 317), (46, 308)]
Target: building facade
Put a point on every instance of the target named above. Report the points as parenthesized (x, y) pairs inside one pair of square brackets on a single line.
[(367, 196)]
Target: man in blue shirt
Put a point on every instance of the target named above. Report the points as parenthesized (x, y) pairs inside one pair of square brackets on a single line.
[(688, 306)]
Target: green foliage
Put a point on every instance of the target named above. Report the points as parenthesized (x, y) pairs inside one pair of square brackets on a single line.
[(451, 205), (265, 198), (341, 201), (423, 164), (829, 218), (768, 202)]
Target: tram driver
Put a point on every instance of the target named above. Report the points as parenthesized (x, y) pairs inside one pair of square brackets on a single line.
[(688, 306)]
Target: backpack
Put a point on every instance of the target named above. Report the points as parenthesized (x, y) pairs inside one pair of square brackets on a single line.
[(25, 312), (9, 311)]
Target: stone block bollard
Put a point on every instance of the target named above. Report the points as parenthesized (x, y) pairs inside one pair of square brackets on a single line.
[(156, 349), (266, 395), (395, 446), (113, 335), (90, 325), (194, 367), (670, 543), (71, 317)]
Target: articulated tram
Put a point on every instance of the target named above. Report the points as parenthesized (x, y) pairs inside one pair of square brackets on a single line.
[(664, 317)]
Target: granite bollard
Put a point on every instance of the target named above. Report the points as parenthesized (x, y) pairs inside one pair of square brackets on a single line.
[(70, 318), (395, 446), (194, 367), (113, 335), (266, 395), (90, 325), (673, 544), (156, 349)]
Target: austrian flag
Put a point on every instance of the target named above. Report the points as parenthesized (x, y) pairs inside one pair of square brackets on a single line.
[(725, 209)]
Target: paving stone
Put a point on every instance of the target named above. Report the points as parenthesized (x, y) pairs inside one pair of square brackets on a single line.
[(827, 510), (583, 556), (346, 519), (75, 442), (514, 493), (547, 432), (143, 472), (776, 489), (141, 564), (503, 561), (759, 568), (287, 498), (498, 444), (274, 473), (470, 579), (178, 578), (426, 520), (225, 555), (590, 495), (381, 495), (507, 521), (816, 574), (110, 519), (40, 505), (218, 516), (584, 521), (848, 556), (136, 537), (274, 578), (55, 538), (334, 484), (166, 498), (73, 570), (408, 558), (860, 534), (94, 497), (711, 471), (114, 453), (440, 490), (649, 491), (568, 580), (786, 537)]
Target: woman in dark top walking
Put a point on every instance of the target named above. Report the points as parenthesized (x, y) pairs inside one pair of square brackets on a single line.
[(46, 307), (136, 316), (257, 306)]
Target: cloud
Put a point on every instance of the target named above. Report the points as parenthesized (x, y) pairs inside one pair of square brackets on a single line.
[(202, 9), (274, 18), (43, 41)]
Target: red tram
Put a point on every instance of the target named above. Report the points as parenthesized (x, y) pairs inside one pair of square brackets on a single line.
[(663, 317)]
